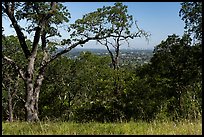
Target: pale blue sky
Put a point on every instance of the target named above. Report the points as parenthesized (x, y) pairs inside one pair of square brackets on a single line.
[(158, 18)]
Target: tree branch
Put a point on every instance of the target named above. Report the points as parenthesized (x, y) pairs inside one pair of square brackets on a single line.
[(43, 39), (18, 69), (10, 13), (76, 44), (35, 41), (41, 25), (111, 54)]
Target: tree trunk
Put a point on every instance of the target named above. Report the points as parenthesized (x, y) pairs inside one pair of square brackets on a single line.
[(10, 106), (37, 88), (116, 68), (33, 91), (31, 114), (32, 101)]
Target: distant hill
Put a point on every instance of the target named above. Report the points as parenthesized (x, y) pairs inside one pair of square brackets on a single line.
[(127, 56)]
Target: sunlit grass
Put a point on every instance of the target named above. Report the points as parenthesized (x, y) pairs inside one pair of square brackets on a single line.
[(93, 128)]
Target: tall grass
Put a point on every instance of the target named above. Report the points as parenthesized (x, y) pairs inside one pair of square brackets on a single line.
[(129, 128)]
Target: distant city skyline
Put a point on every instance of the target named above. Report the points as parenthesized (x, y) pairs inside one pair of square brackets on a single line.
[(160, 19)]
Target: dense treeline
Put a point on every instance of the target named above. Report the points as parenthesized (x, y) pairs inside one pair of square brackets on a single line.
[(82, 89), (90, 88), (168, 87)]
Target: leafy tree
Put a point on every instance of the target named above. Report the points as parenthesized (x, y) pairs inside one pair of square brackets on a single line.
[(115, 22), (173, 62), (191, 13), (43, 18), (11, 82), (57, 96), (121, 25), (71, 84), (39, 15)]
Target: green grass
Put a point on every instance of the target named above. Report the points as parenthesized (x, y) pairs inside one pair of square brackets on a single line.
[(130, 128)]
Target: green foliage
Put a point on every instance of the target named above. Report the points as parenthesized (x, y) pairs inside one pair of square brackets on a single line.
[(33, 12), (106, 21), (11, 83), (175, 65), (83, 89), (191, 13), (11, 48)]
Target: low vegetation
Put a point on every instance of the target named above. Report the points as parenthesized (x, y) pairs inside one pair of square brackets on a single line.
[(93, 128)]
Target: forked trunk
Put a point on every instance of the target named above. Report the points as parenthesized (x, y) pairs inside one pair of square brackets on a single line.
[(32, 96), (32, 101)]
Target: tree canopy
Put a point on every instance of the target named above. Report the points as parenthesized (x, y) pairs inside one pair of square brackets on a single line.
[(191, 13)]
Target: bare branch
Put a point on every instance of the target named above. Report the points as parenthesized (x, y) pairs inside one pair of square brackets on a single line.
[(111, 54), (15, 87), (20, 71), (19, 97), (46, 62), (76, 44)]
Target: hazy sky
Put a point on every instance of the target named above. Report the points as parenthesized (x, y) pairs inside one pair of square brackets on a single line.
[(158, 18)]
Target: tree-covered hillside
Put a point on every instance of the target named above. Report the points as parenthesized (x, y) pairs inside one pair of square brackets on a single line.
[(39, 82)]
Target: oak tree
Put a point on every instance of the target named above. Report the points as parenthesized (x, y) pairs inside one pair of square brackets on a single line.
[(117, 23), (43, 20)]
